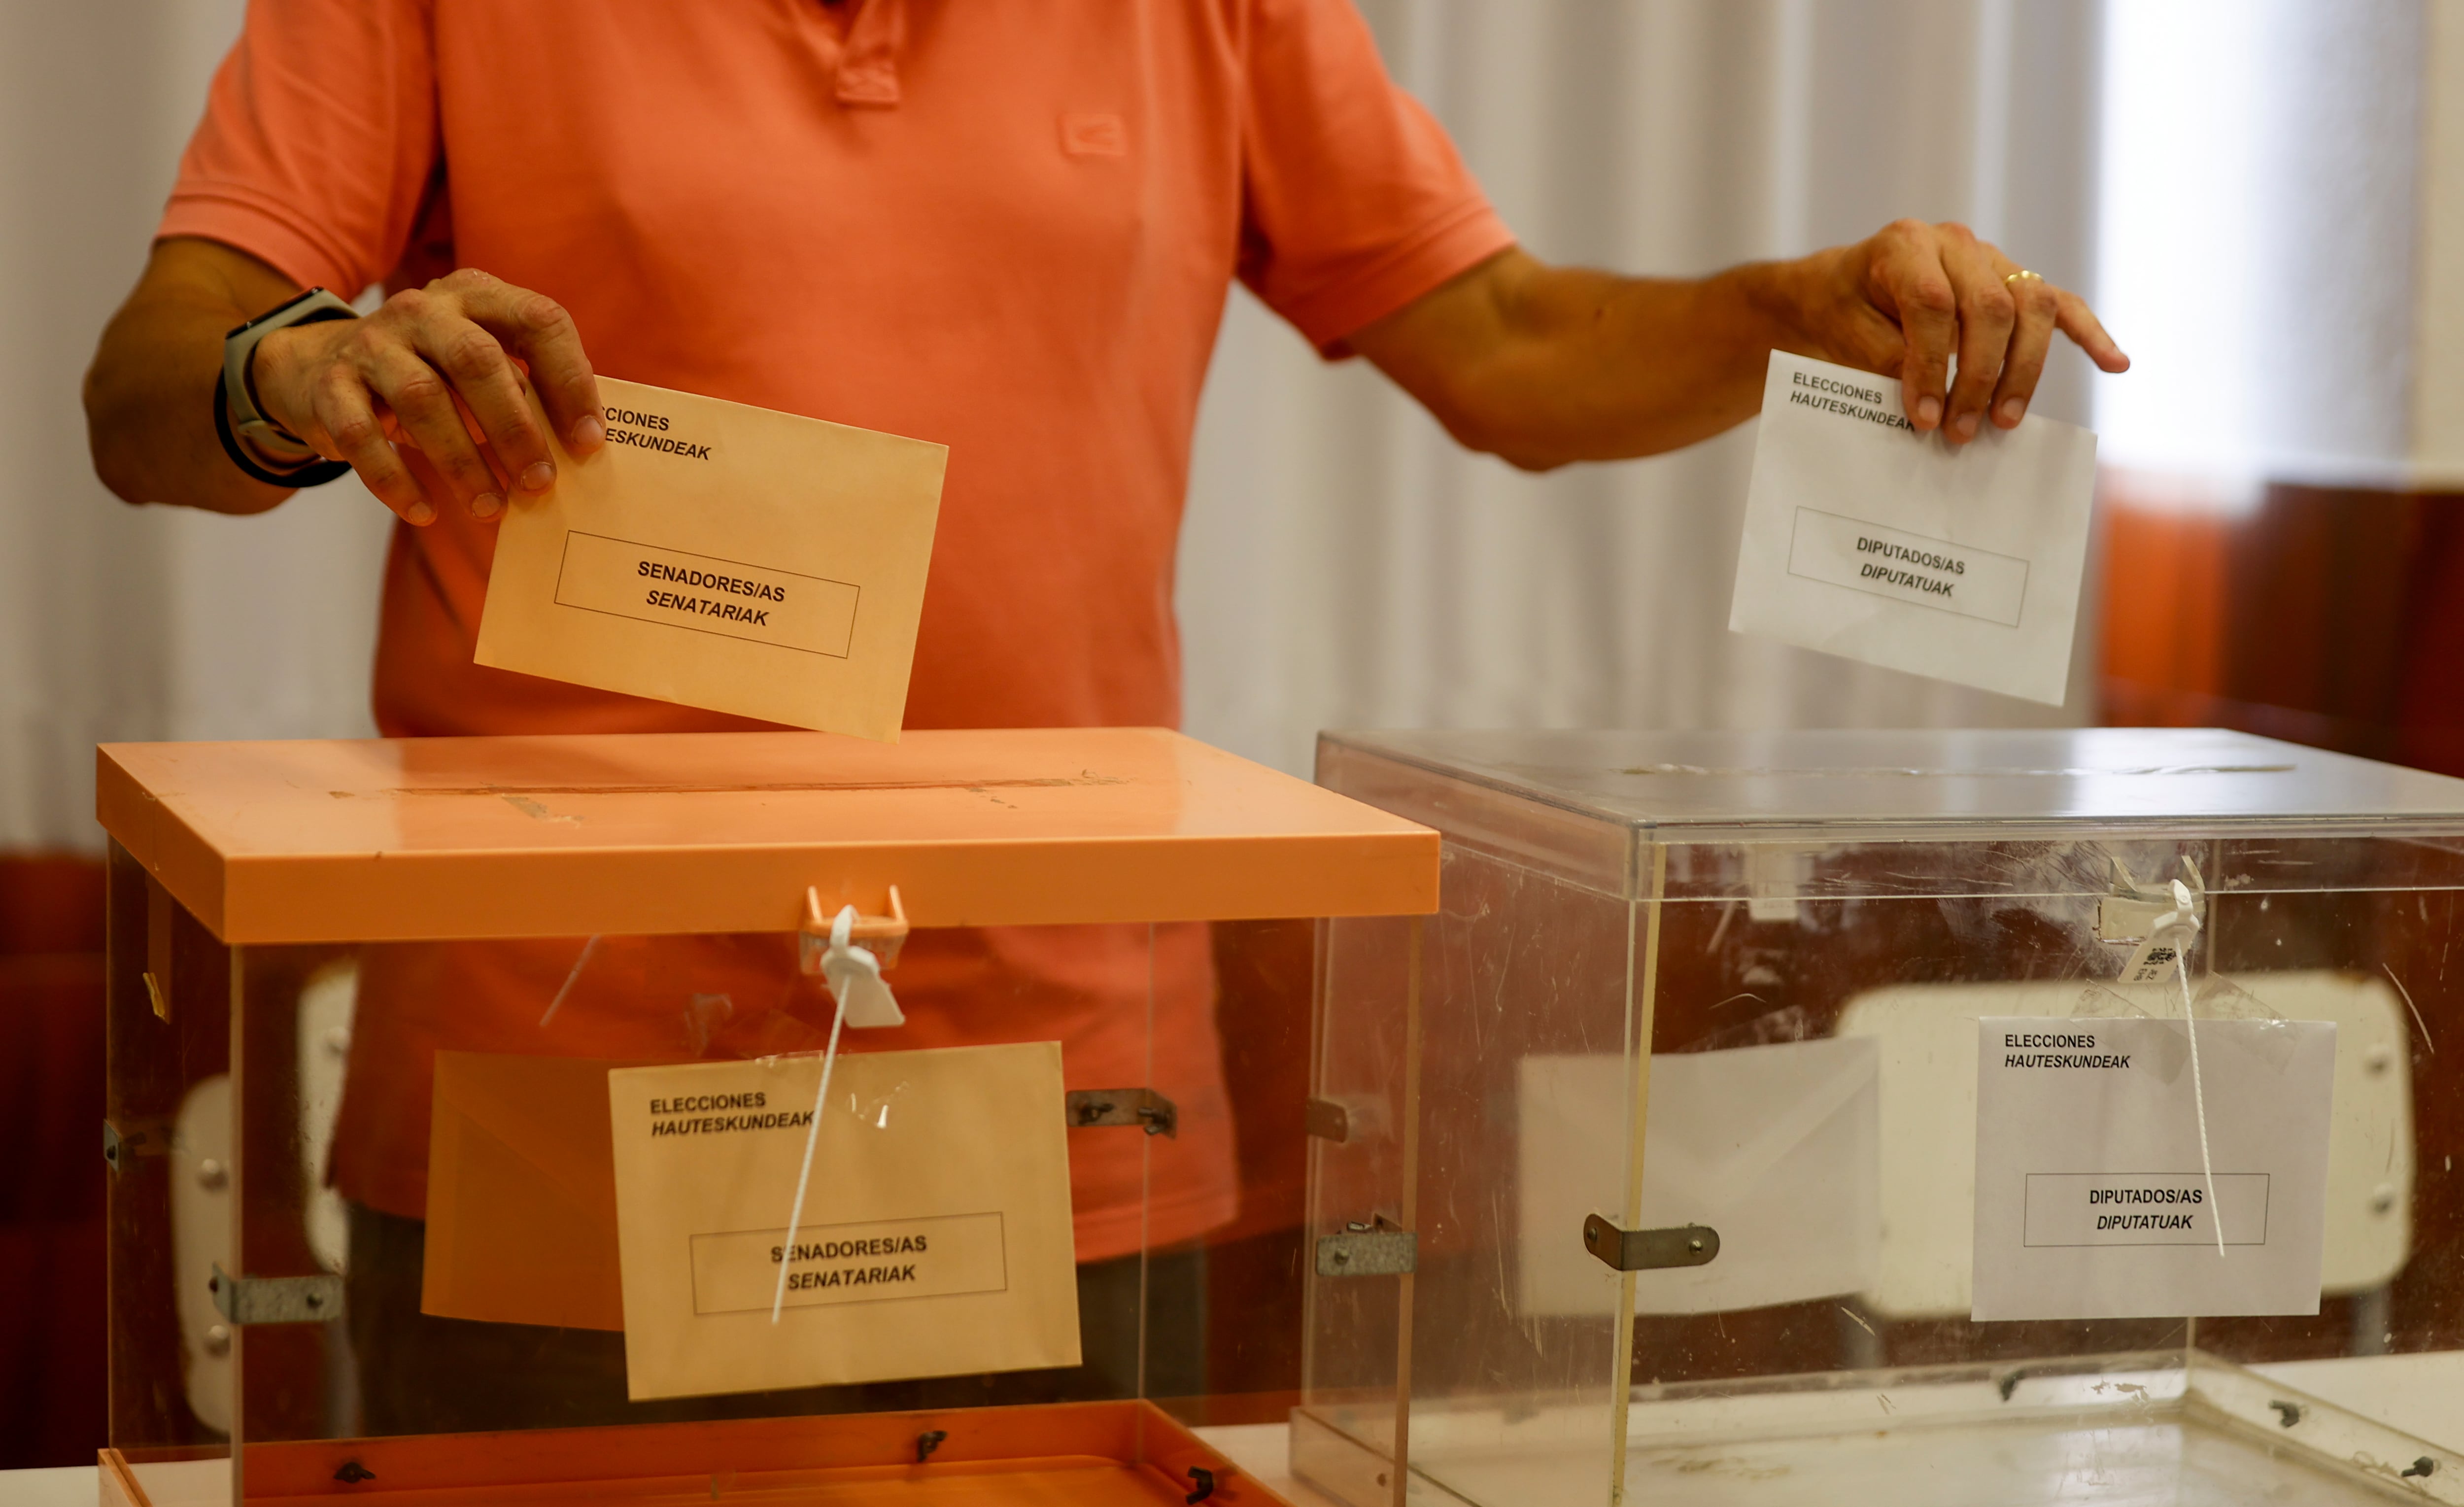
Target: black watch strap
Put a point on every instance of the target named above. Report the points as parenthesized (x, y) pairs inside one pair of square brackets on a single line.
[(313, 473), (237, 418)]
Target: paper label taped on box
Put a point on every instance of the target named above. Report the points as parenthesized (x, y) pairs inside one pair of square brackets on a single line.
[(2094, 1197), (1868, 539), (936, 1239), (724, 557)]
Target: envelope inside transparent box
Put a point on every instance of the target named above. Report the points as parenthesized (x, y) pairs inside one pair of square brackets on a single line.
[(1776, 1147)]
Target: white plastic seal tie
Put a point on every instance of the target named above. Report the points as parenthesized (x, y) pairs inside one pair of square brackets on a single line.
[(566, 987), (854, 977), (2180, 927)]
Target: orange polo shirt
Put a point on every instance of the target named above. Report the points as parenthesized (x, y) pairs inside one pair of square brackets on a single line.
[(1007, 225)]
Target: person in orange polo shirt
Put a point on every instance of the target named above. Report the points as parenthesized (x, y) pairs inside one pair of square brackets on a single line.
[(1006, 227)]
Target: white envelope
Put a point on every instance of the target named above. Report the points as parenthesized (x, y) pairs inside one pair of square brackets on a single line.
[(1867, 540), (1928, 1037), (1776, 1147), (2110, 1183)]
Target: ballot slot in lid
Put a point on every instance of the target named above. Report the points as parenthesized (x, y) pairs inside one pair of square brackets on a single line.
[(382, 1015), (1733, 983)]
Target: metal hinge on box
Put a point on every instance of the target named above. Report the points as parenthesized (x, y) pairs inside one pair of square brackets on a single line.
[(276, 1299), (144, 1138), (1380, 1248), (1328, 1120), (1139, 1106), (1649, 1250)]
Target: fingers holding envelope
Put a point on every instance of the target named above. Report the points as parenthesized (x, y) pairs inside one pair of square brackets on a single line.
[(1949, 294), (440, 369)]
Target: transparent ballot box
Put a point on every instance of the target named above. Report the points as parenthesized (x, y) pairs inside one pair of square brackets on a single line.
[(766, 1116), (1932, 1119)]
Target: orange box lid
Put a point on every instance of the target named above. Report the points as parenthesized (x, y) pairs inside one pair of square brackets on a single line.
[(403, 839)]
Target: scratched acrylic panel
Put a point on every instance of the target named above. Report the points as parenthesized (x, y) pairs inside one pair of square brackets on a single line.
[(1812, 925), (402, 1206), (481, 1292), (1505, 1377), (166, 1143)]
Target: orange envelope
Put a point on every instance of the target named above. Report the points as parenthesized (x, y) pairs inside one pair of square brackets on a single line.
[(521, 1193), (724, 557), (936, 1239)]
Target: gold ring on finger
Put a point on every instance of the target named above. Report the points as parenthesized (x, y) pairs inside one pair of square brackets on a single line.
[(2033, 276)]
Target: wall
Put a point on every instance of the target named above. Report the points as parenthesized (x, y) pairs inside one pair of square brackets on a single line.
[(2285, 218), (120, 622)]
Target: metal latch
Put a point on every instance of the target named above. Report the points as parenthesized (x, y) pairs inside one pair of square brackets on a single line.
[(1378, 1248), (276, 1299), (144, 1138), (1649, 1250), (1138, 1106)]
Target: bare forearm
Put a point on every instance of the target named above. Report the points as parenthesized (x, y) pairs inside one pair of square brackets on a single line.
[(1576, 365), (150, 395), (1543, 366), (436, 374)]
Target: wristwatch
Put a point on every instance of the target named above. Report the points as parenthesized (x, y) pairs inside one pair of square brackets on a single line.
[(238, 417)]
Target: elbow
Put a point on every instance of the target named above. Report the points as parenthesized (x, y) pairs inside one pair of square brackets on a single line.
[(114, 458), (1538, 437), (1492, 406), (1532, 459), (1494, 430)]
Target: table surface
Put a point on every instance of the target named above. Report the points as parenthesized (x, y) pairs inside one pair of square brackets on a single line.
[(2421, 1394), (1261, 1449)]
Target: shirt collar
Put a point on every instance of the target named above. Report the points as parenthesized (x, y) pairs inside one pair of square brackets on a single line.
[(868, 65)]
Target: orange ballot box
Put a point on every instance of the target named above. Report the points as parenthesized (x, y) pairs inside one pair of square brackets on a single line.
[(683, 1118)]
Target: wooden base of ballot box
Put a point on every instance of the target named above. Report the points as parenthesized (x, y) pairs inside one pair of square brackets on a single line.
[(1067, 1455)]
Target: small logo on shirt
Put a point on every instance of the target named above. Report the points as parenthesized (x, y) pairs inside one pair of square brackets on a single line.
[(1094, 133)]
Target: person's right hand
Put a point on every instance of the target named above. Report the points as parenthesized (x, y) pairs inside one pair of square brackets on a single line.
[(434, 370)]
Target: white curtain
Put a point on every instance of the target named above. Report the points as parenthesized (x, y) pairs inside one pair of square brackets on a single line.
[(1344, 565), (121, 623)]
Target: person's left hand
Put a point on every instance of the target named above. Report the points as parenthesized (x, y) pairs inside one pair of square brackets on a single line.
[(1907, 299)]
